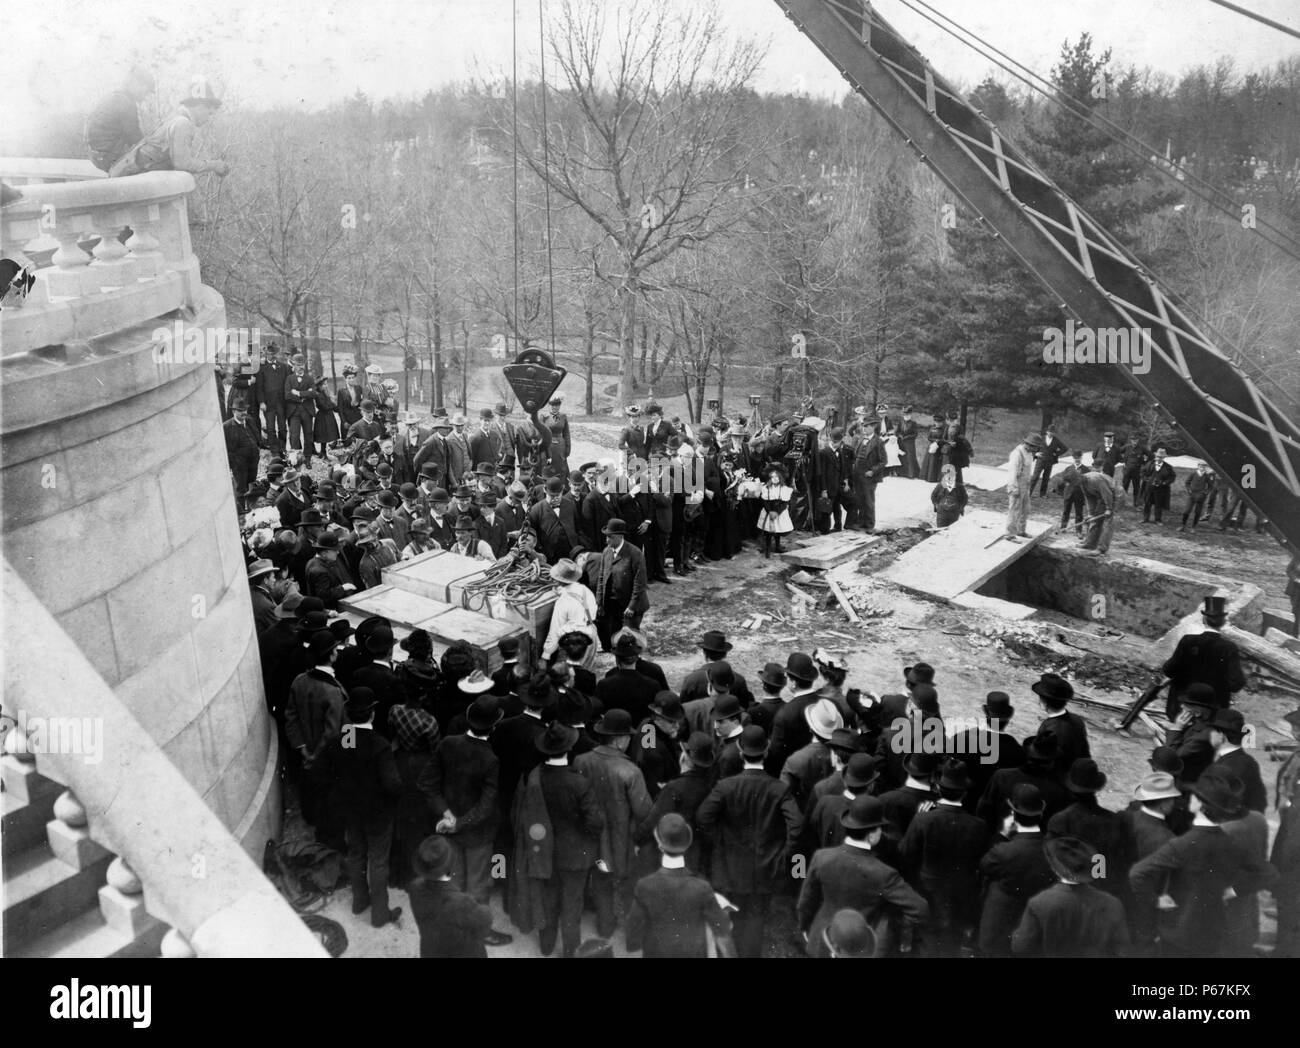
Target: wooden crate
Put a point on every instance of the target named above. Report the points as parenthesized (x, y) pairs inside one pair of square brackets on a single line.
[(431, 575), (481, 633), (400, 607)]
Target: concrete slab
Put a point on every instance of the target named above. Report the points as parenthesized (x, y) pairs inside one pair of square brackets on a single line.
[(827, 551), (961, 557), (1002, 609), (903, 503)]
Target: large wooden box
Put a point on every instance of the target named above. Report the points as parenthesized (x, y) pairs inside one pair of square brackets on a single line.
[(433, 575), (481, 633), (399, 606)]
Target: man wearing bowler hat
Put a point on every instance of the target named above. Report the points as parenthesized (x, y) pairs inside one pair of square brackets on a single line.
[(672, 907), (852, 876), (378, 673), (1190, 737), (452, 925), (1089, 821), (790, 729), (917, 793), (1013, 870), (849, 935), (1206, 658), (1039, 770), (754, 826), (860, 774), (1054, 693), (656, 746), (313, 720), (714, 645), (515, 740), (1072, 918), (327, 576), (624, 801), (684, 794), (988, 747), (1196, 870), (1227, 731), (620, 584), (558, 824), (941, 852), (555, 519), (623, 686), (1020, 471), (367, 789), (460, 782)]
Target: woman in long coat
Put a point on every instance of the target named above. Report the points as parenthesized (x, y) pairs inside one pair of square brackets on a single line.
[(933, 461), (325, 427)]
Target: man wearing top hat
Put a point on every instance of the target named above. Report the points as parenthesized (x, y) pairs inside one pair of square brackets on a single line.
[(1196, 869), (852, 876), (1013, 871), (1207, 658), (672, 907), (1072, 918), (327, 577), (1020, 475), (558, 823), (367, 789), (754, 826), (940, 852), (624, 801), (620, 583), (1054, 694)]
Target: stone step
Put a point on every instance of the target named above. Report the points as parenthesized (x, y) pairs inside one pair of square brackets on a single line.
[(87, 935), (23, 824), (22, 780), (42, 892)]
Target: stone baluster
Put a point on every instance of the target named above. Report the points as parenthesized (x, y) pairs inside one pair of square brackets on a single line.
[(113, 267), (69, 833), (121, 900), (67, 277), (143, 245), (174, 944)]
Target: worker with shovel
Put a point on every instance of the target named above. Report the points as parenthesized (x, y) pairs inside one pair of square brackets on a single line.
[(1099, 492)]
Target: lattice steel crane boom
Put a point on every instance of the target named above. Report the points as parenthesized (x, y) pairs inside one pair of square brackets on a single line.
[(1194, 379)]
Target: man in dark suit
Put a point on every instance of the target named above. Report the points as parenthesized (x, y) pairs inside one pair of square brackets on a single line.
[(1190, 737), (1196, 870), (657, 432), (1157, 483), (902, 804), (272, 376), (754, 825), (1014, 870), (489, 525), (379, 675), (714, 645), (1146, 820), (683, 794), (434, 450), (313, 721), (1227, 730), (1072, 918), (941, 851), (452, 925), (1045, 458), (790, 731), (598, 508), (241, 451), (461, 782), (558, 823), (834, 469), (327, 576), (623, 687), (1054, 693), (1038, 770), (300, 396), (987, 748), (1102, 828), (1107, 455), (1206, 658), (620, 584), (852, 876), (514, 740), (368, 786), (868, 469), (291, 503), (672, 907), (656, 746), (555, 519)]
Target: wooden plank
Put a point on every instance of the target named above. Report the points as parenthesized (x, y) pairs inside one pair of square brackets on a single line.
[(844, 601), (827, 551), (1003, 609), (961, 557), (1278, 660), (1157, 732), (399, 606), (1279, 639)]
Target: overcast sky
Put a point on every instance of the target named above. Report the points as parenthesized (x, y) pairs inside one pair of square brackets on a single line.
[(57, 53)]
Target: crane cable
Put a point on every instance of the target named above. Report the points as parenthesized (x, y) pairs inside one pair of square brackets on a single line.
[(1288, 245), (514, 118), (546, 166), (1259, 18)]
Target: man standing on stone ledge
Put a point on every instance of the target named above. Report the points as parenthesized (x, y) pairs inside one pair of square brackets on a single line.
[(620, 584), (1020, 472), (241, 450), (300, 396), (271, 377)]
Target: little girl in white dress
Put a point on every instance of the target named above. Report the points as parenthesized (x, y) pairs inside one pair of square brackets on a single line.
[(774, 513)]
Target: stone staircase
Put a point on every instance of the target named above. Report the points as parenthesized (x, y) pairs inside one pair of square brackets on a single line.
[(64, 895)]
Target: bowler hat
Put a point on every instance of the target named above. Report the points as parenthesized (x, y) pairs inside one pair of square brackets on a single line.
[(1043, 748), (558, 738), (1070, 858), (925, 697), (434, 857), (615, 526), (508, 647), (327, 540), (380, 640), (486, 499), (1033, 440), (312, 621), (1199, 694), (1166, 759), (997, 704), (484, 712), (673, 835), (668, 705), (921, 673), (463, 491), (849, 935), (800, 667), (408, 491), (1085, 777), (863, 813), (476, 683), (823, 717), (1157, 786), (321, 642), (627, 645), (537, 694), (388, 499), (555, 486), (726, 708), (954, 776), (309, 604), (361, 700), (921, 765), (1220, 789), (464, 523), (430, 471), (574, 638), (715, 641), (341, 628), (773, 675), (753, 741), (699, 747), (501, 409), (1027, 799), (1231, 723), (861, 771), (439, 495), (1050, 686), (614, 722), (845, 741)]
